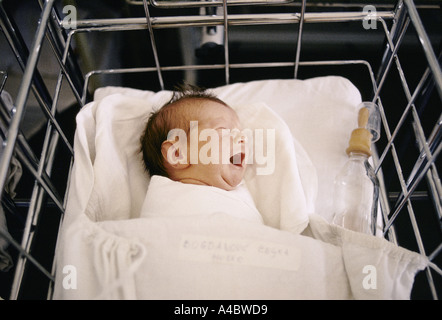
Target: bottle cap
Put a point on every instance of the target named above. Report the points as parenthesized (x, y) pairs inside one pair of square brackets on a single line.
[(360, 141)]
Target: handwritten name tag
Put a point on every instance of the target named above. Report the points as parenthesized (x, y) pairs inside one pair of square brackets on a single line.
[(240, 252)]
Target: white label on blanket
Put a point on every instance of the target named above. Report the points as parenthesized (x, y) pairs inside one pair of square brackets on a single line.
[(240, 252)]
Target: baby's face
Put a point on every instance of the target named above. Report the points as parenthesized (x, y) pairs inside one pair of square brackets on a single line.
[(221, 123)]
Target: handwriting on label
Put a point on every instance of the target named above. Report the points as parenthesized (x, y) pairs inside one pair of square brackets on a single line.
[(239, 251)]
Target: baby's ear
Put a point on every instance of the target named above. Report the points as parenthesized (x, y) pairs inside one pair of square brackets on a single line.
[(174, 154)]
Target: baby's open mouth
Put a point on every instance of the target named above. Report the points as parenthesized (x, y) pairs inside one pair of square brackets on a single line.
[(238, 159)]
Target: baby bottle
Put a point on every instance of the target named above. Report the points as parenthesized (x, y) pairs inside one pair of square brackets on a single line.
[(356, 187)]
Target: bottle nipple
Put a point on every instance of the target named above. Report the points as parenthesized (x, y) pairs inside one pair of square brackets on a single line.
[(363, 117), (360, 139)]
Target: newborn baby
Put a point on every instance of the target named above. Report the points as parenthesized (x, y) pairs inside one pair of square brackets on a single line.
[(195, 154)]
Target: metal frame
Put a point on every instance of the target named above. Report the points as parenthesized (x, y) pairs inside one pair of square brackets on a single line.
[(395, 23)]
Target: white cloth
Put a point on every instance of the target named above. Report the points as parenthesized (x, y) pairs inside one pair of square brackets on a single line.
[(376, 268), (109, 181), (167, 198), (221, 257), (285, 197), (320, 113), (111, 252)]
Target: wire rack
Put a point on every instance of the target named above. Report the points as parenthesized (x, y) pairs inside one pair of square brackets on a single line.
[(406, 157)]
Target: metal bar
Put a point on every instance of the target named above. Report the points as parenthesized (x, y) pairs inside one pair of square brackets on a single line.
[(232, 65), (20, 108), (399, 28), (421, 164), (403, 117), (424, 146), (21, 52), (418, 195), (27, 156), (193, 4), (44, 100), (234, 19), (407, 189), (219, 66), (421, 138), (300, 30), (54, 261), (64, 71), (383, 197), (17, 246), (41, 177), (432, 176), (39, 89), (57, 38), (391, 37), (435, 187), (43, 182), (436, 252), (226, 43), (426, 45), (394, 48), (181, 4), (406, 186), (153, 44), (37, 199), (407, 193), (23, 93), (3, 78)]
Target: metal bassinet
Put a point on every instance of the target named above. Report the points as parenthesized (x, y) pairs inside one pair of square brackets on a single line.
[(388, 50)]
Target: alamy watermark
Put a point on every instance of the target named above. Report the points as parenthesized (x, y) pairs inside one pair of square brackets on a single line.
[(70, 18), (370, 280), (70, 278), (370, 19), (223, 146)]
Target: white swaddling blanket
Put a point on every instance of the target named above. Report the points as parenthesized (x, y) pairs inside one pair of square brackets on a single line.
[(105, 250), (167, 198)]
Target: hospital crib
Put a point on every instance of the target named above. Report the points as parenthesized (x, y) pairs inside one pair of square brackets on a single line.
[(201, 42)]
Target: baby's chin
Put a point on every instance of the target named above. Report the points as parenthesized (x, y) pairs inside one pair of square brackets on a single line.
[(232, 182), (229, 187)]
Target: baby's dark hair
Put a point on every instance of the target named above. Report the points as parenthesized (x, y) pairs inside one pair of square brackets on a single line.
[(176, 113)]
